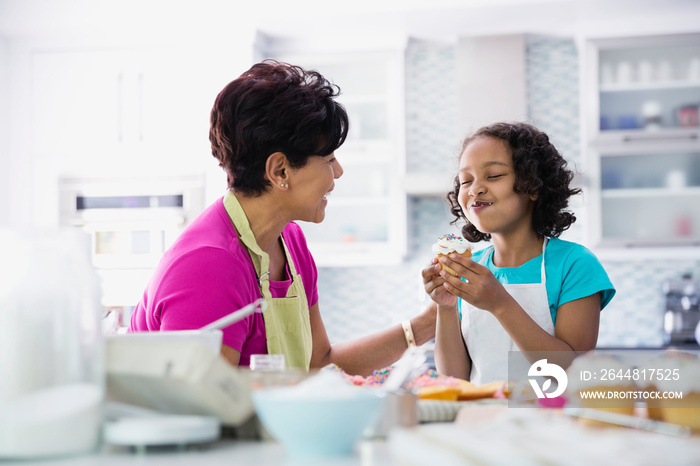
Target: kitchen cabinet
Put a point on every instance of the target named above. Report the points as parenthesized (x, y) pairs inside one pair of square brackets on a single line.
[(640, 100), (133, 102), (124, 122), (365, 220)]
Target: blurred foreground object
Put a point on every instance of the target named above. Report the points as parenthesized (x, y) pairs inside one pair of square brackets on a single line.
[(51, 346)]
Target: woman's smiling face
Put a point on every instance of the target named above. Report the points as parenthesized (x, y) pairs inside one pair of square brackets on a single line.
[(486, 195), (310, 186)]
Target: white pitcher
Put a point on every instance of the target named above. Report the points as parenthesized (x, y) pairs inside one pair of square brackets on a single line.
[(51, 346)]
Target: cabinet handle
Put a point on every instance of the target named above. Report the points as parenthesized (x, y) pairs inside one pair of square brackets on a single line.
[(140, 109), (660, 137), (120, 109)]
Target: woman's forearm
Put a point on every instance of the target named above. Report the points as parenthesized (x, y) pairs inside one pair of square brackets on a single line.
[(364, 355)]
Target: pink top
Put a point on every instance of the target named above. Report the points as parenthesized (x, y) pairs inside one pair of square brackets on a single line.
[(208, 274)]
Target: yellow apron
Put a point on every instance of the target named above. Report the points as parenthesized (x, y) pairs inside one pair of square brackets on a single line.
[(287, 324)]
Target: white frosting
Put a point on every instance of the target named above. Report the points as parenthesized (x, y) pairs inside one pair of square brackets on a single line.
[(325, 385), (449, 243)]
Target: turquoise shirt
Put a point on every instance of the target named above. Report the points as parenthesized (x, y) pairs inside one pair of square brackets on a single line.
[(573, 272)]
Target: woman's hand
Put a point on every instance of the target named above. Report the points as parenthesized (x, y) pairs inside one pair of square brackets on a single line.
[(481, 289), (433, 284)]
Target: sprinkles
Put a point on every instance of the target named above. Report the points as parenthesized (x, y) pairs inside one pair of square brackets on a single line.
[(451, 237), (378, 377), (429, 378)]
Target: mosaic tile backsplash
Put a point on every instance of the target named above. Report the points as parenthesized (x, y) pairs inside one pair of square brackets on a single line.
[(360, 300)]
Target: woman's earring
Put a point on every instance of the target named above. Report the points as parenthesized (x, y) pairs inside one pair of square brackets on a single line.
[(284, 185)]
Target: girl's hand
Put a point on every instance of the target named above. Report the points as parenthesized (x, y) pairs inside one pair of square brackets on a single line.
[(433, 284), (481, 289)]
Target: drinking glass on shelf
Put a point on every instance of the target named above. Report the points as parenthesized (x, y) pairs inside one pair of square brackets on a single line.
[(664, 71), (624, 72), (675, 179), (607, 74), (645, 71), (651, 113), (693, 69)]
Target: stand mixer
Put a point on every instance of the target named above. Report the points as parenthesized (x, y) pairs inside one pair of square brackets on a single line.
[(681, 310)]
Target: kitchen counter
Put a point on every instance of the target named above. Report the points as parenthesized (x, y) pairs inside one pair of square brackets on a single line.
[(481, 434), (677, 346), (498, 435), (221, 453)]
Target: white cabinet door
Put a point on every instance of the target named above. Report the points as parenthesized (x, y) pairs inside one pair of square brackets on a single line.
[(642, 141), (142, 103), (77, 101), (366, 215), (178, 90)]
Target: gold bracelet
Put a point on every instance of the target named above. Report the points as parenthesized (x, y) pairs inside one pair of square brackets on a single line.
[(408, 333)]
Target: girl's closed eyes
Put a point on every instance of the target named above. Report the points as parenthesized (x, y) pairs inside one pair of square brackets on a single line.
[(490, 177)]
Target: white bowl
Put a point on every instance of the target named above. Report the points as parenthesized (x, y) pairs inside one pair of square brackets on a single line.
[(312, 424)]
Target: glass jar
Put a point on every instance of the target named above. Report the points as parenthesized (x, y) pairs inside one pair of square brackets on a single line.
[(267, 362), (270, 370), (51, 346)]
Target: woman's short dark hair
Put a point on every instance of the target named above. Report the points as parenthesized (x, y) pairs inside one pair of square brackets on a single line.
[(274, 107), (539, 170)]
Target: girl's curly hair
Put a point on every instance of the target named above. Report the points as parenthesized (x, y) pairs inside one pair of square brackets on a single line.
[(539, 170)]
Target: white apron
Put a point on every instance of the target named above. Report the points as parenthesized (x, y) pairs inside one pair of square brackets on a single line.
[(488, 343)]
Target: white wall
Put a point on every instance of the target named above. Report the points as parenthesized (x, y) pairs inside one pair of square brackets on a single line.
[(492, 80), (18, 178), (4, 134)]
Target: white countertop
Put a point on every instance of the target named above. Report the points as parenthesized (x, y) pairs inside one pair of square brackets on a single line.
[(481, 434), (498, 435), (224, 452)]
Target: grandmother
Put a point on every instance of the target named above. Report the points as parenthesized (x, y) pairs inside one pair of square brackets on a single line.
[(274, 131)]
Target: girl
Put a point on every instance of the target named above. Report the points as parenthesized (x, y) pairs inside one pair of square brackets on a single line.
[(530, 291)]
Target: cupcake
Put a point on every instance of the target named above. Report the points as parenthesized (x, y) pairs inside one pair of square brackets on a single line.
[(433, 386), (439, 392), (677, 372), (600, 381), (449, 244), (659, 365)]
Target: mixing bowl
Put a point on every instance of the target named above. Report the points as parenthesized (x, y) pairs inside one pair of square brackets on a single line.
[(313, 423)]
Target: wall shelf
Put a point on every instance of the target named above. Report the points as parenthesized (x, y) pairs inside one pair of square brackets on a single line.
[(649, 86), (650, 193)]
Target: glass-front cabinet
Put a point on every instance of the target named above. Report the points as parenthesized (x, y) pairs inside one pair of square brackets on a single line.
[(640, 98), (365, 221), (649, 196)]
